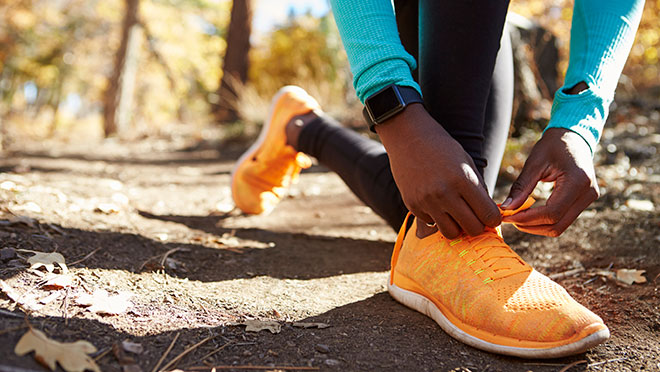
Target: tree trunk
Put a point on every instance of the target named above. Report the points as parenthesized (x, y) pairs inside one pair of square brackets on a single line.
[(118, 96), (535, 55), (235, 67)]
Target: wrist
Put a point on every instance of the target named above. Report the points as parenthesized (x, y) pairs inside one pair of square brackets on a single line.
[(403, 123), (567, 137), (406, 129)]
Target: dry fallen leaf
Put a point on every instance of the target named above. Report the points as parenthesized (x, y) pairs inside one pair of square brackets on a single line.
[(29, 301), (103, 303), (47, 260), (630, 276), (72, 356), (29, 206), (55, 281), (311, 325), (50, 298), (259, 325)]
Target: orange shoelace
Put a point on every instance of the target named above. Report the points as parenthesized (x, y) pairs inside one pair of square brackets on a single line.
[(493, 253), (491, 250)]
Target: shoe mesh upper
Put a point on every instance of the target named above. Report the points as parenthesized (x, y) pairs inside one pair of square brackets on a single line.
[(521, 304)]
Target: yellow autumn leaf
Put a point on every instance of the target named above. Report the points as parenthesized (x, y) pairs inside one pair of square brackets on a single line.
[(71, 356)]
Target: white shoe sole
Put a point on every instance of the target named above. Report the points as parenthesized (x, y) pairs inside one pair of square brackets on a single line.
[(264, 131), (427, 307)]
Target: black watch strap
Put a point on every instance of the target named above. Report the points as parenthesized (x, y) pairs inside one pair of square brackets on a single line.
[(388, 102)]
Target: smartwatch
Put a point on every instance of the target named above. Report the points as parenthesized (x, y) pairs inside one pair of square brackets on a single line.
[(388, 102)]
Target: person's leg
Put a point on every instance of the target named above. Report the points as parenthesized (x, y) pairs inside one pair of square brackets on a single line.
[(459, 42), (361, 162), (498, 112)]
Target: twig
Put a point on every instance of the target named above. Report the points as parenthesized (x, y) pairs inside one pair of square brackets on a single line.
[(566, 274), (215, 351), (90, 254), (104, 353), (65, 303), (171, 251), (185, 352), (591, 280), (162, 358), (606, 361), (572, 365), (9, 313), (164, 255), (200, 368)]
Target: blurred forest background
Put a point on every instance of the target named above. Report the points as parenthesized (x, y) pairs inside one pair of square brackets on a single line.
[(89, 69)]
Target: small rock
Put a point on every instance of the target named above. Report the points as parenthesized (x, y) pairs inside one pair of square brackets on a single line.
[(332, 362), (7, 254), (322, 348), (640, 205), (132, 347)]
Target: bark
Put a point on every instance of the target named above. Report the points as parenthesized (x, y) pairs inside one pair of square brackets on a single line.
[(118, 97), (235, 66)]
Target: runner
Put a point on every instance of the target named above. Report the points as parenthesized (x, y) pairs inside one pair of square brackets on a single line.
[(443, 128)]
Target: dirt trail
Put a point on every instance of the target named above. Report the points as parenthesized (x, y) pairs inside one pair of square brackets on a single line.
[(149, 219)]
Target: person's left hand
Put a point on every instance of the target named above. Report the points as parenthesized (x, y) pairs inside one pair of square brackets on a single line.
[(563, 157)]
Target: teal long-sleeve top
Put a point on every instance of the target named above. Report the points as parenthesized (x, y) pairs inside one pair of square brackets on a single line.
[(602, 34)]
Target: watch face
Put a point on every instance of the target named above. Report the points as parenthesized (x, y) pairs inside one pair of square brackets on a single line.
[(384, 103)]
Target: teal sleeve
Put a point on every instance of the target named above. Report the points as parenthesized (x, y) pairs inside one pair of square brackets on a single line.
[(602, 35), (371, 39)]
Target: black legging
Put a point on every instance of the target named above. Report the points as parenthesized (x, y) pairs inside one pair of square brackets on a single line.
[(467, 87)]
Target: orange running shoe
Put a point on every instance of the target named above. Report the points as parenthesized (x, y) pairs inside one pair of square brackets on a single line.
[(482, 293), (265, 171)]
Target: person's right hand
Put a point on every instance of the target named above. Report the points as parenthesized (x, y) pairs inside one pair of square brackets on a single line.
[(437, 179)]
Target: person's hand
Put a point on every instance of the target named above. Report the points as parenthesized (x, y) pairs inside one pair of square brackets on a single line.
[(562, 157), (436, 177)]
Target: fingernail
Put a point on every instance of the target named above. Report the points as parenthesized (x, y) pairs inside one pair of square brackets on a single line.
[(506, 203)]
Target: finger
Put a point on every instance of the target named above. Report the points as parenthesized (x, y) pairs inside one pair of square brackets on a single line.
[(561, 199), (466, 218), (561, 226), (523, 186), (481, 205), (422, 216), (447, 226)]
